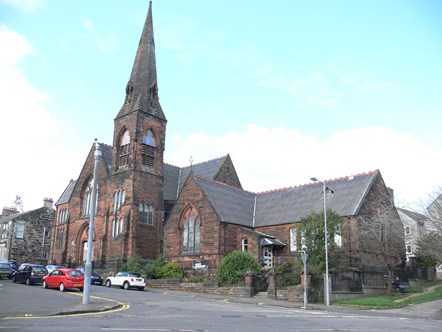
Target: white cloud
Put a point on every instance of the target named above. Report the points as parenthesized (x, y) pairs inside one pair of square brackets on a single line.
[(25, 5), (272, 158), (104, 44), (32, 166)]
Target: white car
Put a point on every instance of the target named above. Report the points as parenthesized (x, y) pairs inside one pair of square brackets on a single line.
[(126, 280)]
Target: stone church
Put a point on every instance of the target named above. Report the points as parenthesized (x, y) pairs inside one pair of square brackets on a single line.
[(193, 215)]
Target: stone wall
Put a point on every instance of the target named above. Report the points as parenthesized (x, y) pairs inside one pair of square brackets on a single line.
[(198, 287)]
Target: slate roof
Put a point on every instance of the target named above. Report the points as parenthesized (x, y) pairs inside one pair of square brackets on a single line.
[(286, 205), (175, 177), (67, 193), (413, 215)]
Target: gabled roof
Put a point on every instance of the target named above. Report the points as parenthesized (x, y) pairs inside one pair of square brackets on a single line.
[(412, 215), (174, 176), (67, 193), (286, 205)]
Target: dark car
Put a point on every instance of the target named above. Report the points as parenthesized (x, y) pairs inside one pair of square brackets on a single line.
[(96, 278), (14, 265), (5, 270), (30, 274)]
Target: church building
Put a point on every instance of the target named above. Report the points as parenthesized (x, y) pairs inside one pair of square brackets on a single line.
[(193, 215)]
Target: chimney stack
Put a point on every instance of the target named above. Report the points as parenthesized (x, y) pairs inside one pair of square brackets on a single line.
[(48, 203)]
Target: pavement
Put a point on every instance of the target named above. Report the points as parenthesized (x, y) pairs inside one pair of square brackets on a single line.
[(73, 305)]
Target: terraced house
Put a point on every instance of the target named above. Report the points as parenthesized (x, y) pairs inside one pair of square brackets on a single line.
[(196, 214)]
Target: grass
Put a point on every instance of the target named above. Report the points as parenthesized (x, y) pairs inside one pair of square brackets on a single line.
[(418, 294)]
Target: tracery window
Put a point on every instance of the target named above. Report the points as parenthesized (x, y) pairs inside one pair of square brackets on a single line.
[(119, 199), (87, 199), (146, 213), (117, 227), (148, 149), (63, 216), (191, 231), (293, 239), (60, 236), (124, 149)]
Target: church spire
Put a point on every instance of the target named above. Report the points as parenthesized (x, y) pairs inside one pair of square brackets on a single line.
[(142, 88)]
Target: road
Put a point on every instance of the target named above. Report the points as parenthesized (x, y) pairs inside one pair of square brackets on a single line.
[(163, 311)]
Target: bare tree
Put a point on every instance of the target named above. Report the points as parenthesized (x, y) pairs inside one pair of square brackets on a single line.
[(381, 236)]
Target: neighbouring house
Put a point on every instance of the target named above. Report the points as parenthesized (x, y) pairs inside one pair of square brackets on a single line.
[(26, 236), (415, 226), (195, 215)]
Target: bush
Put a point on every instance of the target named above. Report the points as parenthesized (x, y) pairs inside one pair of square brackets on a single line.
[(153, 269), (133, 265), (234, 266), (170, 270), (287, 274)]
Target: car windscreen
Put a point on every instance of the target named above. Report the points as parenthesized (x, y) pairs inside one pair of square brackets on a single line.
[(75, 273), (40, 269)]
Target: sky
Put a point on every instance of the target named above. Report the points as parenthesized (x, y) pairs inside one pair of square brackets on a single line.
[(289, 89)]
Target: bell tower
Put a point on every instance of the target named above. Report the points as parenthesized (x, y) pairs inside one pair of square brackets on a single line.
[(136, 174)]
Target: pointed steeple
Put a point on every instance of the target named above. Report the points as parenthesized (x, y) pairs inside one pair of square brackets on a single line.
[(142, 88)]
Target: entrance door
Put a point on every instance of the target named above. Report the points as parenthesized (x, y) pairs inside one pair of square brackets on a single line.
[(267, 255)]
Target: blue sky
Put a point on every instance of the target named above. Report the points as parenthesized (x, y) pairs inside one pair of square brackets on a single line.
[(290, 89)]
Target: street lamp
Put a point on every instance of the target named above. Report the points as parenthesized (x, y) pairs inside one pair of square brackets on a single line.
[(88, 265), (327, 288), (304, 257)]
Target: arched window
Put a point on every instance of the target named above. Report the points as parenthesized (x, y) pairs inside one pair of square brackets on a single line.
[(87, 199), (124, 149), (117, 227), (148, 149), (191, 231), (119, 198), (146, 214)]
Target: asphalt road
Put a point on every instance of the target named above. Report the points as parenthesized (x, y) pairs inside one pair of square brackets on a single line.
[(175, 311)]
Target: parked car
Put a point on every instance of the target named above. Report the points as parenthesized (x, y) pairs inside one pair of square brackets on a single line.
[(14, 265), (63, 279), (51, 268), (126, 280), (30, 274), (96, 278), (5, 270)]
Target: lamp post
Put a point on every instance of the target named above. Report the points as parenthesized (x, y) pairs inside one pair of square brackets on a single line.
[(88, 265), (304, 257), (327, 288)]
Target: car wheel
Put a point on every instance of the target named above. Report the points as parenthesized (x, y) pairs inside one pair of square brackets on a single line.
[(126, 285), (140, 288), (13, 279), (44, 284), (108, 283), (81, 289), (28, 281), (62, 288)]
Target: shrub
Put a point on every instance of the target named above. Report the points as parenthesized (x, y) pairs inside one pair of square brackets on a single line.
[(287, 273), (233, 268), (133, 265), (153, 269), (170, 270)]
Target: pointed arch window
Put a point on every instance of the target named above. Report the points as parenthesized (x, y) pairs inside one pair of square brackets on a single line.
[(117, 227), (119, 199), (87, 194), (191, 231), (148, 149), (146, 213), (124, 149)]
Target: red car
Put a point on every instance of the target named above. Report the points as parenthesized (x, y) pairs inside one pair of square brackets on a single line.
[(64, 279)]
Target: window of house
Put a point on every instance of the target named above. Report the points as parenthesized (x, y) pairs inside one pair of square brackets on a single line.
[(146, 213), (293, 239), (124, 149), (119, 199), (191, 231), (407, 230), (117, 227), (337, 236), (4, 231), (148, 149), (63, 216), (408, 249), (20, 230), (87, 199), (245, 244), (60, 236)]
